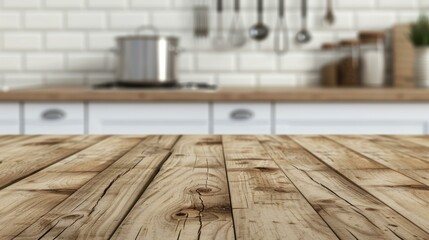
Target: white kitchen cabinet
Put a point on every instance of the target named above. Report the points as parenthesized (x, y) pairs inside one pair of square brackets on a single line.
[(54, 118), (9, 118), (149, 118), (242, 118), (349, 118)]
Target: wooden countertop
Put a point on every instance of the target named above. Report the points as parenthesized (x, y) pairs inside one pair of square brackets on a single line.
[(214, 187), (260, 94)]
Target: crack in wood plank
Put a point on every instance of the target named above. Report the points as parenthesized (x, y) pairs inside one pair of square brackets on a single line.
[(136, 169), (304, 168), (404, 201), (195, 207), (273, 201), (352, 206)]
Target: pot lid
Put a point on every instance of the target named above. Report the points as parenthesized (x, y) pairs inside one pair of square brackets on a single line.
[(152, 34), (133, 37)]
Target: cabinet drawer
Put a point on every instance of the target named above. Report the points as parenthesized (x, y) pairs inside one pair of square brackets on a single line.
[(352, 118), (9, 118), (351, 127), (242, 118), (54, 118), (149, 118), (353, 111)]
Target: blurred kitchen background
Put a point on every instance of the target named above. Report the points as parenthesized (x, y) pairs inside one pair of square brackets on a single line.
[(354, 71), (70, 41)]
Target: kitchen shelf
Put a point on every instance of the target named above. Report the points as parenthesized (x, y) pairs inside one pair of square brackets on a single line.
[(65, 93)]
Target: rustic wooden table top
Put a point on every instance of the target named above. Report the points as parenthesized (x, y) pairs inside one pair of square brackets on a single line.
[(214, 187)]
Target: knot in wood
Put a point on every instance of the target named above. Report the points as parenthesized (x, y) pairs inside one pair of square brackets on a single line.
[(203, 190)]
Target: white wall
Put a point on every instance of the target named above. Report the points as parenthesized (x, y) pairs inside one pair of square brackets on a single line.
[(68, 41)]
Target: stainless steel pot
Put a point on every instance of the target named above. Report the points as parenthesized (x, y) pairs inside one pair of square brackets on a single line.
[(147, 59)]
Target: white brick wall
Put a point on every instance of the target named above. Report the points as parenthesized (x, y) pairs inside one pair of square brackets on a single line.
[(43, 20), (70, 41)]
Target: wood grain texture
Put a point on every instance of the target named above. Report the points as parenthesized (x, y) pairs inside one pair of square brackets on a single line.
[(419, 140), (407, 147), (350, 211), (386, 152), (31, 156), (12, 139), (73, 93), (32, 197), (188, 199), (407, 196), (266, 205), (96, 209)]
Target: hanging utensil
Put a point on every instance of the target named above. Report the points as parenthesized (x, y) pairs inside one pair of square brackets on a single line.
[(201, 19), (205, 19), (197, 22), (303, 36), (219, 41), (329, 16), (281, 39), (259, 31), (237, 34)]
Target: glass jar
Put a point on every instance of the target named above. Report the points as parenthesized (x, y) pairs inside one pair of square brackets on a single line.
[(373, 59), (349, 65), (329, 72), (3, 85)]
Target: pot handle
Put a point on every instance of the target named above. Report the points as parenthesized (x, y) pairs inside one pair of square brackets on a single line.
[(176, 50), (148, 28)]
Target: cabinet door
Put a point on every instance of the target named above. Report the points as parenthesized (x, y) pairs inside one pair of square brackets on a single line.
[(389, 118), (9, 118), (148, 118), (242, 118), (54, 118)]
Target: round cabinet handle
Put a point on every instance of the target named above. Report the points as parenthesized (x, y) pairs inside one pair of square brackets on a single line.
[(53, 114), (241, 114)]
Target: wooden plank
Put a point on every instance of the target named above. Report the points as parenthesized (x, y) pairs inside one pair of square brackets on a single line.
[(400, 144), (350, 211), (35, 144), (266, 205), (420, 140), (188, 199), (403, 194), (27, 200), (385, 151), (100, 157), (96, 209), (12, 139), (189, 149), (32, 156)]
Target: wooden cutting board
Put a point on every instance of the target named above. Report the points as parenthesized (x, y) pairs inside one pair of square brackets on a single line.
[(402, 57)]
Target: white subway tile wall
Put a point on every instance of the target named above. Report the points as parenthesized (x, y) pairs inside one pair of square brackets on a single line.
[(71, 41)]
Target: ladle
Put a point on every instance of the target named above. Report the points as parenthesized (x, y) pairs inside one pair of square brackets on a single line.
[(259, 31), (303, 36)]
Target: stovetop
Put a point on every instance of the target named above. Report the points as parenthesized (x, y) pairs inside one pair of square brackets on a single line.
[(171, 86)]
